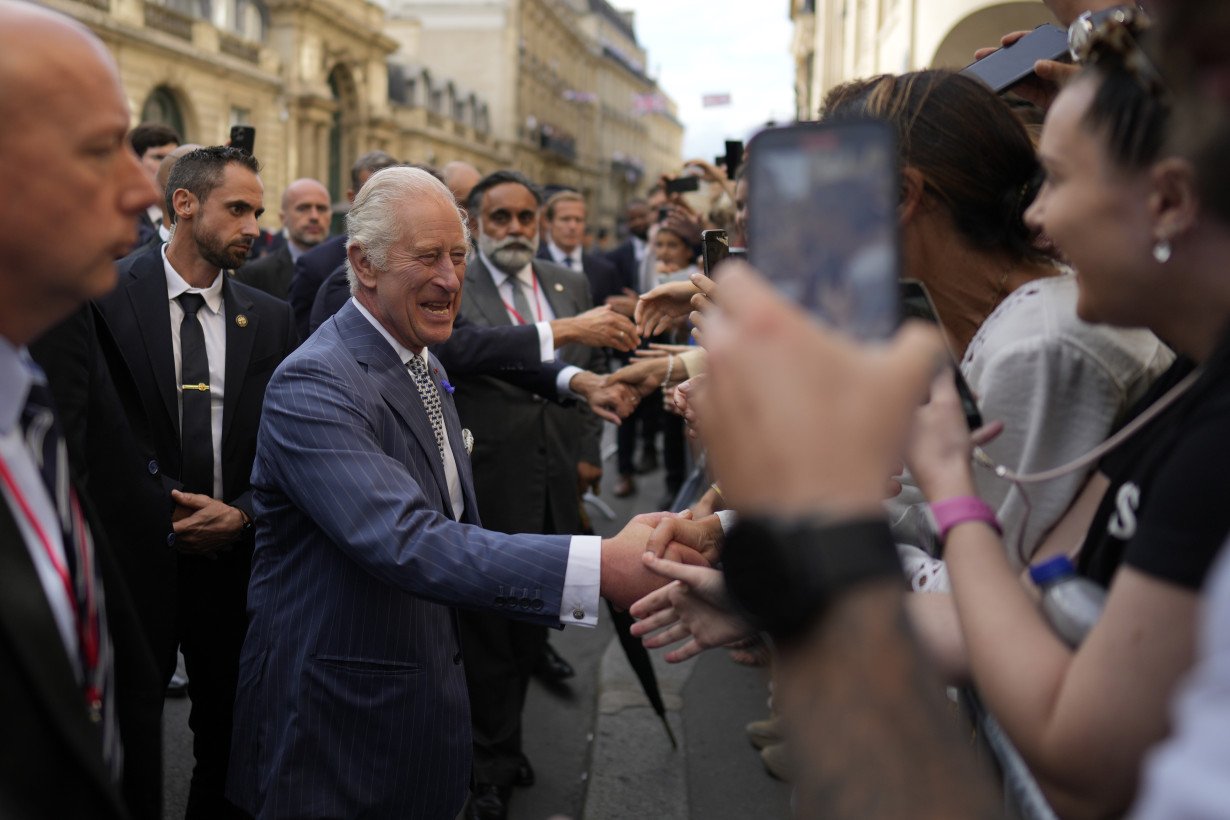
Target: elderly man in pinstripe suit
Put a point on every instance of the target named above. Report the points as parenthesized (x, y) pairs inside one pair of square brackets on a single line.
[(352, 699)]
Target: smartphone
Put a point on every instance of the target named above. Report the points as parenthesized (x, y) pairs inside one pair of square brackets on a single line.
[(243, 137), (916, 304), (1011, 64), (682, 185), (716, 248), (822, 220)]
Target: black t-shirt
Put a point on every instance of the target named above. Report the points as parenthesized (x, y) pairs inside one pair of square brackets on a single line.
[(1167, 511)]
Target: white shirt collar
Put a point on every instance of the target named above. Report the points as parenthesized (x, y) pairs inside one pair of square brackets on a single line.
[(17, 372), (404, 353), (176, 285), (562, 256)]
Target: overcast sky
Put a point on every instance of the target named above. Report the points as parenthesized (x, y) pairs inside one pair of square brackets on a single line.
[(699, 47)]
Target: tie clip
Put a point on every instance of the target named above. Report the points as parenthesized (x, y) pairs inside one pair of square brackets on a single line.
[(203, 387)]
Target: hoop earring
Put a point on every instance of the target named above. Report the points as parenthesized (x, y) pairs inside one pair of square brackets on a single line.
[(1161, 251)]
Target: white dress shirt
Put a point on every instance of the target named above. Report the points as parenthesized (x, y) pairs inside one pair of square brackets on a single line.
[(213, 322), (17, 373), (582, 575), (542, 312), (571, 260)]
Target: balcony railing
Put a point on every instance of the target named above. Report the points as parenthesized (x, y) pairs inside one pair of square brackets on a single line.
[(238, 47)]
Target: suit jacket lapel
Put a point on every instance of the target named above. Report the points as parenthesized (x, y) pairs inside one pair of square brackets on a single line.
[(452, 424), (395, 384), (480, 287), (240, 337), (27, 621), (556, 292), (147, 293)]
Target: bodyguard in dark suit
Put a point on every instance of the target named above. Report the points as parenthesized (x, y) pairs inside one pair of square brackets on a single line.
[(314, 267), (629, 255), (352, 700), (306, 213), (77, 740), (563, 238), (201, 348)]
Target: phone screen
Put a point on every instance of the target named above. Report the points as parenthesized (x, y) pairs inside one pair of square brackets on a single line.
[(916, 304), (822, 221), (716, 248), (243, 137)]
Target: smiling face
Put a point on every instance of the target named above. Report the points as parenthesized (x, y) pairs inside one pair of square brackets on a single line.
[(417, 296), (65, 220), (1097, 214), (670, 250)]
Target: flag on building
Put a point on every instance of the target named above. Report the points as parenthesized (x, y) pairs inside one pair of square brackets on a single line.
[(714, 100), (651, 103)]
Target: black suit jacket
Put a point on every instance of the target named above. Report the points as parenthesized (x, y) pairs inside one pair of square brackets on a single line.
[(604, 278), (112, 454), (51, 761), (623, 257), (138, 315), (271, 273), (311, 271)]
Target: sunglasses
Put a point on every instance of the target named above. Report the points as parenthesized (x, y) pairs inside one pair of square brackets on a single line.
[(1117, 32)]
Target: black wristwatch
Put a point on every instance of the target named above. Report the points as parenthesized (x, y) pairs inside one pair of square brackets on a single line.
[(784, 573)]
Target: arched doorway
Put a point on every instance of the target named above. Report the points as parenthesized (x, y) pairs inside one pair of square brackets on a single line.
[(984, 27), (162, 106), (342, 148)]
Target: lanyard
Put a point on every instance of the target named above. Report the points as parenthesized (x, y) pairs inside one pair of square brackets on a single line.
[(87, 626), (516, 283)]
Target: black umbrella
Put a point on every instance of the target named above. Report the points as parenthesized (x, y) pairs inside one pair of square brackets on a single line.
[(638, 658)]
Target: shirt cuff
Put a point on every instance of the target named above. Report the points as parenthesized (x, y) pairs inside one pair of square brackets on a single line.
[(579, 604), (561, 382), (727, 518), (546, 341)]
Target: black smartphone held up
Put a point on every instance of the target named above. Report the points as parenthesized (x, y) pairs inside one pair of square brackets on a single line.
[(716, 248), (1011, 64), (733, 157), (683, 185), (916, 304), (243, 137), (822, 220)]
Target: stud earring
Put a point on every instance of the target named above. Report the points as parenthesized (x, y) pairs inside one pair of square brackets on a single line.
[(1161, 251)]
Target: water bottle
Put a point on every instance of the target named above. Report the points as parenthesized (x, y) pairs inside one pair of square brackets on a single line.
[(1071, 603)]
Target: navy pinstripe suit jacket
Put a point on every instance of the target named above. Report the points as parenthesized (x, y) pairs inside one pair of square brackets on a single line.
[(352, 699)]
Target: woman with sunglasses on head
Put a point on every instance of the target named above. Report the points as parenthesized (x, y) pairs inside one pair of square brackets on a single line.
[(1129, 220)]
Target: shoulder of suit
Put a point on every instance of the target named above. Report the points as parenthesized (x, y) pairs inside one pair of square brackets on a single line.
[(257, 297), (597, 260), (558, 271), (140, 261)]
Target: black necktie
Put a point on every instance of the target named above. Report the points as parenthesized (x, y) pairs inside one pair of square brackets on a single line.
[(46, 445), (196, 430)]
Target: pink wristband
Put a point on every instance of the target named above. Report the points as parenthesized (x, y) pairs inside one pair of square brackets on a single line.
[(953, 511)]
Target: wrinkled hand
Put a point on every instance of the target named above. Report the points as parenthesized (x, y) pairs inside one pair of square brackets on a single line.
[(597, 327), (694, 607), (687, 396), (625, 578), (661, 308), (940, 445), (643, 375), (613, 402), (701, 534), (204, 525), (624, 303), (798, 419), (1041, 87), (589, 476)]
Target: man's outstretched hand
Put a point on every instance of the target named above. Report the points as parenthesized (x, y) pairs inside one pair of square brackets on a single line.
[(625, 578)]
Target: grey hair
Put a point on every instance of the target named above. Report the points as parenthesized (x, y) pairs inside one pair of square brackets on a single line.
[(373, 221)]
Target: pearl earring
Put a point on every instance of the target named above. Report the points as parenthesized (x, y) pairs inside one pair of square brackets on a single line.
[(1161, 251)]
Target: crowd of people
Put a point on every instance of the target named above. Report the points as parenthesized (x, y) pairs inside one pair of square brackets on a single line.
[(344, 476)]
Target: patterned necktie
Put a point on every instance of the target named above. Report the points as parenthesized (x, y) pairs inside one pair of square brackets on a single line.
[(519, 302), (196, 438), (46, 446), (431, 398)]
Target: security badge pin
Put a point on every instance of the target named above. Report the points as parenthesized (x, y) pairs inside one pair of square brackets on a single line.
[(241, 320), (559, 288)]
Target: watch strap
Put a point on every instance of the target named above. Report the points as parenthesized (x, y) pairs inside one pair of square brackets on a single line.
[(783, 574)]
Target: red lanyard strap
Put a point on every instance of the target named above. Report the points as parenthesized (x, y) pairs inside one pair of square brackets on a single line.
[(537, 304)]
